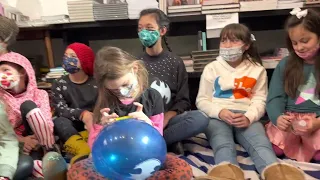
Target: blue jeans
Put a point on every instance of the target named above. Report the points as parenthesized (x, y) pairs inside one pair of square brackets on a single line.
[(185, 125), (253, 139)]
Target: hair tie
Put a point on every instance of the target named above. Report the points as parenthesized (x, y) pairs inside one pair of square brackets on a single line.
[(253, 38), (299, 13)]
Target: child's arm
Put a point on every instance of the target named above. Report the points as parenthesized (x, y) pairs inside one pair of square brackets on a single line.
[(60, 105), (9, 147), (45, 107), (205, 94), (277, 98), (182, 102), (158, 112), (258, 98)]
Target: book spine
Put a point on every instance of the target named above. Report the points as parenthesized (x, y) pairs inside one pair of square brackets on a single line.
[(199, 41), (204, 41)]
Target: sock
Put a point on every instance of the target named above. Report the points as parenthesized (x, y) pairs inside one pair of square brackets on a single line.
[(37, 169), (40, 127)]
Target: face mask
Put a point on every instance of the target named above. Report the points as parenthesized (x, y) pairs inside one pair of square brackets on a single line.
[(7, 81), (231, 54), (131, 90), (149, 38), (70, 65), (309, 54)]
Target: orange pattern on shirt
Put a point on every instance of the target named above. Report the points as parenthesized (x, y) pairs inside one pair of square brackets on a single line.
[(243, 87)]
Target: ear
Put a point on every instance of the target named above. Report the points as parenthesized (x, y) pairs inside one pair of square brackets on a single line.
[(246, 47), (163, 31), (135, 67)]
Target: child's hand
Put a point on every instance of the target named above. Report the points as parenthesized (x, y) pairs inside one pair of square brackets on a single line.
[(106, 117), (139, 114), (240, 120), (284, 122), (30, 142), (87, 119), (226, 115)]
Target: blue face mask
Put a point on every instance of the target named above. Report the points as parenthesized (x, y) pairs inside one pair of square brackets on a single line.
[(149, 38), (70, 64)]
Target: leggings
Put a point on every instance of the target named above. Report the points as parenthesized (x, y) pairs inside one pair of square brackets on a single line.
[(35, 123), (24, 168), (65, 128), (174, 168)]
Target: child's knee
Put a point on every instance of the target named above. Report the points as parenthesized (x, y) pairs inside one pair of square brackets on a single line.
[(27, 106), (24, 168)]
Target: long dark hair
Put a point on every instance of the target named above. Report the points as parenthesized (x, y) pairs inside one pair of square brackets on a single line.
[(162, 21), (242, 32), (112, 63), (293, 73)]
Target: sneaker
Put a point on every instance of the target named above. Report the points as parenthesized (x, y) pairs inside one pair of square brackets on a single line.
[(176, 148), (54, 167)]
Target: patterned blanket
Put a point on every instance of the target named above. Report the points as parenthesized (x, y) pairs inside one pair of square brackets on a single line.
[(199, 155)]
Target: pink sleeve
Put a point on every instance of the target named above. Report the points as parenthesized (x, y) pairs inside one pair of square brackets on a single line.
[(44, 106), (157, 121), (94, 132)]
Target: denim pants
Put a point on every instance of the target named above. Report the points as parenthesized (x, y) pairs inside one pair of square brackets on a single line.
[(253, 139), (185, 125)]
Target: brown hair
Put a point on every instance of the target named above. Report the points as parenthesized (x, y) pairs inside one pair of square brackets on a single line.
[(293, 72), (112, 63), (242, 32)]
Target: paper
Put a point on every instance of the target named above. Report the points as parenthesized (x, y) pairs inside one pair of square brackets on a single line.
[(215, 23)]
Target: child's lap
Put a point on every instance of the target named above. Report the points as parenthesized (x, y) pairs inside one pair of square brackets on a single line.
[(174, 168)]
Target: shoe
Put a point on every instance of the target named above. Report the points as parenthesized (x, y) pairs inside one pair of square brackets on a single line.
[(176, 148), (224, 171), (84, 135), (77, 147), (54, 167), (282, 171)]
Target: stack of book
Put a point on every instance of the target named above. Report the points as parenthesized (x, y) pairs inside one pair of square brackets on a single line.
[(290, 4), (136, 6), (184, 8), (202, 58), (220, 6), (55, 73), (312, 3), (82, 10), (111, 10), (271, 60), (258, 5), (188, 63)]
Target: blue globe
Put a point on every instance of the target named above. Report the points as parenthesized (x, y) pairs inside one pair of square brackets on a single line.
[(128, 149)]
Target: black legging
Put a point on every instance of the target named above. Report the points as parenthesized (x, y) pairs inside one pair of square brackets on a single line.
[(65, 128), (24, 168)]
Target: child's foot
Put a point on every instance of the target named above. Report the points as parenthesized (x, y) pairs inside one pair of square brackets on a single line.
[(54, 167)]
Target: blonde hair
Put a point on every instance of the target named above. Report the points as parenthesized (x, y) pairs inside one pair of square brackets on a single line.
[(112, 63)]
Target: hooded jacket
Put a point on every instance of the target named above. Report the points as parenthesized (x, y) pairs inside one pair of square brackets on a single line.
[(9, 148), (32, 93)]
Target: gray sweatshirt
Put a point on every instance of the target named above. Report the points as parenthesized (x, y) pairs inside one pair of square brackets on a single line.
[(9, 148)]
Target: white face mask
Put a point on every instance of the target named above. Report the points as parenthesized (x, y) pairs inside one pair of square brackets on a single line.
[(231, 54)]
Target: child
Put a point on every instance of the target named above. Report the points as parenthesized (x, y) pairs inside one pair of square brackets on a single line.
[(9, 147), (74, 97), (168, 76), (8, 33), (232, 93), (123, 90), (293, 100), (27, 107)]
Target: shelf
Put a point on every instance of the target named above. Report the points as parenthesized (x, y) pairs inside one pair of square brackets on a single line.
[(181, 19)]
